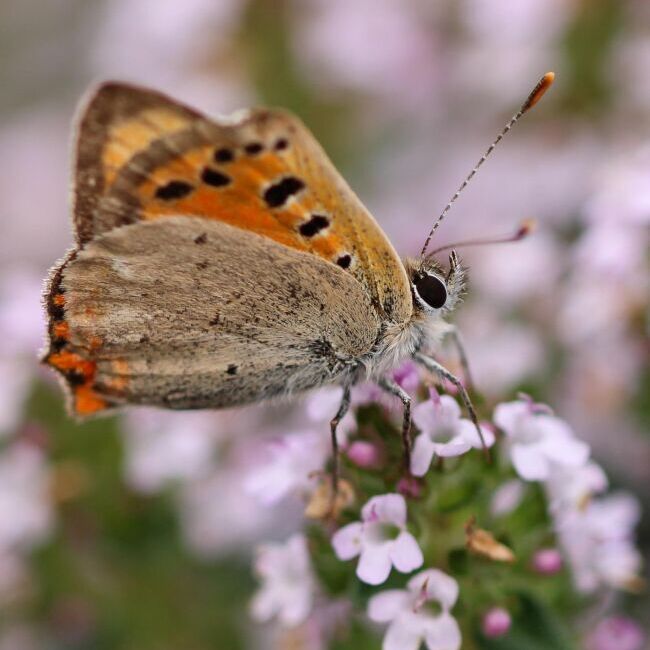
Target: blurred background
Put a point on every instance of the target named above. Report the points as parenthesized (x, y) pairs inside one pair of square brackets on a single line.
[(137, 531)]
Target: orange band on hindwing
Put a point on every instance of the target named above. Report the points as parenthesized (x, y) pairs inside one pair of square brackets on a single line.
[(78, 371)]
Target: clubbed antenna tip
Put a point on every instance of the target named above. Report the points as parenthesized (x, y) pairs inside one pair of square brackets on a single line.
[(526, 227), (538, 92)]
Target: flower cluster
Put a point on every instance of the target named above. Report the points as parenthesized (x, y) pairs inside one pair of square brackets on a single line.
[(427, 528)]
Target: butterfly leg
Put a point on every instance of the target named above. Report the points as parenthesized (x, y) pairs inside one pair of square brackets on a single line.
[(395, 389), (454, 334), (334, 423), (433, 366)]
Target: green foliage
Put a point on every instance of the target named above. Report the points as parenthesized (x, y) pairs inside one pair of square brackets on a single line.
[(116, 575), (535, 626), (588, 44)]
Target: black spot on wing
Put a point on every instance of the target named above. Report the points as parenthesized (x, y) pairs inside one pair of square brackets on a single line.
[(57, 344), (214, 178), (56, 311), (173, 190), (232, 369), (253, 148), (312, 227), (201, 239), (344, 261), (75, 377), (279, 193), (224, 155)]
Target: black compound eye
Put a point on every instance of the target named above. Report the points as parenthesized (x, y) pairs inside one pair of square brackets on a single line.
[(431, 289)]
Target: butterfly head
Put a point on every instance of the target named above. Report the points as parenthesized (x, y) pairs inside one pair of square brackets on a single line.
[(436, 290)]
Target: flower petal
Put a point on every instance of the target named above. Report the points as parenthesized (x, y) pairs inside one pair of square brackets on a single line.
[(386, 605), (530, 462), (564, 449), (448, 410), (262, 606), (422, 455), (439, 586), (400, 636), (457, 446), (405, 553), (468, 432), (507, 416), (295, 610), (507, 497), (387, 508), (425, 415), (443, 633), (269, 484), (347, 541), (374, 564)]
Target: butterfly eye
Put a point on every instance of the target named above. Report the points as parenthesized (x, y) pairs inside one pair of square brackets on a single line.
[(431, 290)]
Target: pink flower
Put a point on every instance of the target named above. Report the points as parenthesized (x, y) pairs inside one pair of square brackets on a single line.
[(410, 487), (218, 516), (443, 432), (26, 516), (516, 351), (507, 497), (163, 447), (289, 467), (572, 487), (538, 440), (21, 313), (321, 406), (623, 195), (598, 542), (364, 454), (616, 633), (407, 376), (496, 622), (21, 335), (380, 539), (547, 561), (334, 42), (288, 585), (411, 621)]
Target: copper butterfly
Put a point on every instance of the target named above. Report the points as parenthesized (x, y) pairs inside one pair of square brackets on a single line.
[(219, 263)]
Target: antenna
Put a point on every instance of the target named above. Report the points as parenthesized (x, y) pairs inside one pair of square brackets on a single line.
[(526, 227), (542, 86)]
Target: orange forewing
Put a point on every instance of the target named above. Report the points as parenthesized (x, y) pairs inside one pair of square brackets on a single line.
[(122, 123), (240, 203)]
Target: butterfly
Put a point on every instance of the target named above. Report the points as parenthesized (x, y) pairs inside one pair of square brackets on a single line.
[(224, 262)]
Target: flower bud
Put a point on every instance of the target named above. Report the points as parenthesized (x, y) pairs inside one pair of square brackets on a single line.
[(547, 561), (410, 487), (364, 454), (496, 622)]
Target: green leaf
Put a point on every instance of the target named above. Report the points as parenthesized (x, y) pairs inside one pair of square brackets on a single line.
[(333, 574), (356, 637), (458, 561)]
